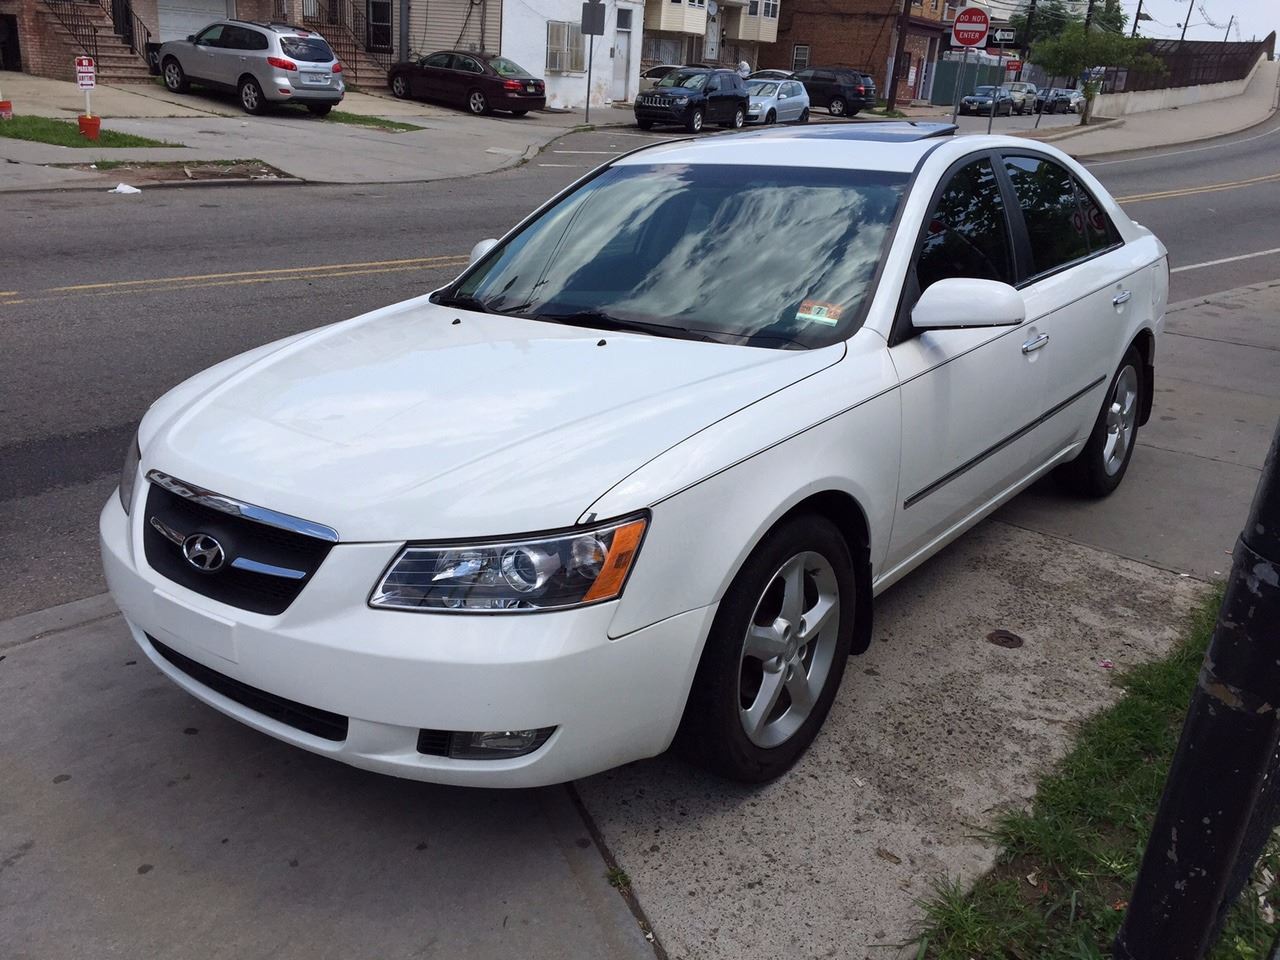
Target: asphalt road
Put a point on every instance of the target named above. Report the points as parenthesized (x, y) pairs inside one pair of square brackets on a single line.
[(107, 301)]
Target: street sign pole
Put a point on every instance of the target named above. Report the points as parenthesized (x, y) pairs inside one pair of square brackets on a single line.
[(592, 27), (964, 67), (995, 90), (969, 29), (591, 57)]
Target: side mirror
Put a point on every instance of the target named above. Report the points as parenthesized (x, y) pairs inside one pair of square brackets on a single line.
[(483, 247), (191, 38), (961, 302)]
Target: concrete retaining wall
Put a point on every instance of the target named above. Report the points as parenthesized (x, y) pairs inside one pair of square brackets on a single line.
[(1140, 101)]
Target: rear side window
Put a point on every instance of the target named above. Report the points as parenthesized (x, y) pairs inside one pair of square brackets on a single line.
[(1102, 233), (967, 234), (1055, 224), (306, 49), (437, 60)]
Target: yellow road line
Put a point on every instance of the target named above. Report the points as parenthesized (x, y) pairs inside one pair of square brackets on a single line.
[(1204, 188), (417, 261)]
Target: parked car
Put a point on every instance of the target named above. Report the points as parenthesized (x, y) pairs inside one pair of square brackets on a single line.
[(979, 102), (1022, 94), (651, 76), (480, 82), (623, 481), (1060, 100), (265, 63), (841, 90), (692, 96), (771, 75), (777, 100)]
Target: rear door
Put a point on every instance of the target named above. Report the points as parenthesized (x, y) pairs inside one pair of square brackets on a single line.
[(468, 75), (971, 398), (1081, 281)]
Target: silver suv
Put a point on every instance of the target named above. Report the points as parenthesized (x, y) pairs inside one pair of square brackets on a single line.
[(265, 63), (1023, 95)]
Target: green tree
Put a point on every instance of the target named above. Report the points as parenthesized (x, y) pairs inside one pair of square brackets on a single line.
[(1074, 51), (1052, 17)]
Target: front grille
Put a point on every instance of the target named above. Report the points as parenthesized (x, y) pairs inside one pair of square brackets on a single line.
[(248, 541), (312, 720)]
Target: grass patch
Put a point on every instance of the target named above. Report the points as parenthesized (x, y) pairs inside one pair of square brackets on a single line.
[(1067, 866), (66, 133), (618, 878), (381, 123)]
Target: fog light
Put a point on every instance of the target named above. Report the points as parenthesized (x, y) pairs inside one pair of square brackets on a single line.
[(484, 744)]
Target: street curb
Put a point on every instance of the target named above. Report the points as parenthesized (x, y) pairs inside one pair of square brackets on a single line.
[(1176, 143), (66, 616), (1220, 295), (161, 185), (1056, 135)]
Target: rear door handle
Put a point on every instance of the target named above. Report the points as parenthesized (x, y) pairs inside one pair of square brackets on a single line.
[(1035, 343), (1121, 297)]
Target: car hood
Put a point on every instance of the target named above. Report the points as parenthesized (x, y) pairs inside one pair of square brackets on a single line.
[(404, 424)]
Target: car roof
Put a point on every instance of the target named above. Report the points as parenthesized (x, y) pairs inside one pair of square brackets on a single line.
[(893, 146), (276, 26)]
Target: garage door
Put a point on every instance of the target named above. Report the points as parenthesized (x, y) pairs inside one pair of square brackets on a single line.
[(178, 18)]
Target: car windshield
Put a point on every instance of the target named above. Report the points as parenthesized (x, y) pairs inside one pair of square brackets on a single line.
[(683, 78), (306, 49), (762, 89), (766, 256), (983, 91), (508, 68)]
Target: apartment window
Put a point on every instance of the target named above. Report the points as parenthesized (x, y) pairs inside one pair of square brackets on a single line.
[(697, 3), (565, 53), (624, 19), (771, 9), (799, 56), (753, 8)]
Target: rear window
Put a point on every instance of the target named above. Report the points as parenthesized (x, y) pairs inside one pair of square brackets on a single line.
[(508, 68), (306, 49)]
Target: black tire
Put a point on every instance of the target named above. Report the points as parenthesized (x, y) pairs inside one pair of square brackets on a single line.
[(478, 103), (712, 731), (175, 78), (694, 123), (252, 98), (518, 113), (1096, 472), (644, 124), (837, 107), (399, 86), (804, 115), (319, 109), (771, 117), (739, 118)]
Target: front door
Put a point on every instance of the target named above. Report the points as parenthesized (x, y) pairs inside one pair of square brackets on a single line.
[(715, 98), (622, 54), (968, 395), (430, 80), (378, 25)]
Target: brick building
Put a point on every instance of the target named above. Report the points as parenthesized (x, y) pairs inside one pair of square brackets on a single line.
[(861, 34)]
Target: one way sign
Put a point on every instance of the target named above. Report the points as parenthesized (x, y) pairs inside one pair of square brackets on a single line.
[(1003, 35)]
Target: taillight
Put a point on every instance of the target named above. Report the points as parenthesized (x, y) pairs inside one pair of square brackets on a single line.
[(282, 63), (512, 85), (861, 88), (337, 68)]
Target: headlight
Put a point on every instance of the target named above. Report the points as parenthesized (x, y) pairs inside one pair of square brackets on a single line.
[(680, 101), (568, 569), (129, 473)]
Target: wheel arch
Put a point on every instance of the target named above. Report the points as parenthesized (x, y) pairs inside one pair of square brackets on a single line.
[(1145, 344), (249, 76)]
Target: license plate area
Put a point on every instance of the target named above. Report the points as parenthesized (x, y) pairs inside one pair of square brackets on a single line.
[(315, 79)]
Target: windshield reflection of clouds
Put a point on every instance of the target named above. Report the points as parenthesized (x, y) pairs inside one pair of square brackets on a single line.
[(726, 250)]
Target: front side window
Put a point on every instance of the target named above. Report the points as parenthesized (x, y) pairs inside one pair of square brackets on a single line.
[(1055, 224), (967, 234), (565, 50), (675, 250), (437, 60), (211, 37)]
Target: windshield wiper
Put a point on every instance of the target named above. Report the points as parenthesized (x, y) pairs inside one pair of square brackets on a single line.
[(464, 302), (600, 320)]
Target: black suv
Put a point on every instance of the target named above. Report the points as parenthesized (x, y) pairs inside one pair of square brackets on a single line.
[(842, 90), (692, 96)]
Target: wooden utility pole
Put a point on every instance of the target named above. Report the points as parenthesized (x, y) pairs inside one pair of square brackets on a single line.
[(1186, 20), (1136, 17), (904, 20), (1026, 40), (1229, 23)]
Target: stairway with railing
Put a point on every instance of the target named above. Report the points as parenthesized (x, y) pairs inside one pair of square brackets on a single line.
[(363, 48), (107, 30), (133, 33), (77, 24)]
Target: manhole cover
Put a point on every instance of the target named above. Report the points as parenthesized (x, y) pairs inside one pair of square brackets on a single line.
[(1003, 638)]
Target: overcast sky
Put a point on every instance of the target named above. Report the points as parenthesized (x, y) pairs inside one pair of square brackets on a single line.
[(1255, 17)]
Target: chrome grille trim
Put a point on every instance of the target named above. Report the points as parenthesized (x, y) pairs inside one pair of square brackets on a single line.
[(238, 508)]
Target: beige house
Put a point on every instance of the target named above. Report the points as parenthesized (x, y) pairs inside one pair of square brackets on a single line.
[(724, 32)]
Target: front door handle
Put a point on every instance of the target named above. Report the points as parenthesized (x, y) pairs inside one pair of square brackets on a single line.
[(1035, 343), (1121, 297)]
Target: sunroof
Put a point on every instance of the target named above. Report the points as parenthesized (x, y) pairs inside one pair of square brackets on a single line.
[(887, 131)]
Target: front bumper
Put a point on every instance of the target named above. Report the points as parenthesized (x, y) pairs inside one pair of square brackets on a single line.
[(659, 114), (394, 673)]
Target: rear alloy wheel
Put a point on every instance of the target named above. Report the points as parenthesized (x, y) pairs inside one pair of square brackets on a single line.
[(775, 655), (175, 80), (694, 123), (804, 115), (837, 107), (1101, 465), (251, 97), (477, 102), (739, 118), (400, 86)]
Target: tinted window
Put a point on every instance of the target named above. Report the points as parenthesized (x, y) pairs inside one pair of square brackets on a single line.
[(508, 68), (467, 64), (823, 75), (967, 234), (437, 60), (306, 49), (762, 88), (1055, 225), (241, 38), (1098, 227), (211, 37), (805, 75), (679, 246), (682, 78)]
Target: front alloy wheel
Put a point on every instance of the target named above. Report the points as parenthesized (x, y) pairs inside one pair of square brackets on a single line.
[(399, 86), (174, 79), (775, 654), (694, 124)]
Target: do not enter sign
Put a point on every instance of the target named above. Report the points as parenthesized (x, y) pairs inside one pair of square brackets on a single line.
[(970, 28)]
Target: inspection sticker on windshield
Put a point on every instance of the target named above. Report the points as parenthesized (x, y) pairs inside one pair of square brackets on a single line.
[(818, 311)]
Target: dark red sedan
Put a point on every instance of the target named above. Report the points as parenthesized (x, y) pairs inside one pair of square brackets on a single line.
[(481, 82)]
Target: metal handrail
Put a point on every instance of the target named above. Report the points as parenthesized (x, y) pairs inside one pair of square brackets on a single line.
[(71, 15), (353, 36), (129, 27)]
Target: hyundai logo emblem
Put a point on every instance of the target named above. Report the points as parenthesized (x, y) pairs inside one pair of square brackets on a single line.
[(204, 552)]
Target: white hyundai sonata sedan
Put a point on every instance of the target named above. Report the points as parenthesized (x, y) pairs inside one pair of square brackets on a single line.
[(636, 475)]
